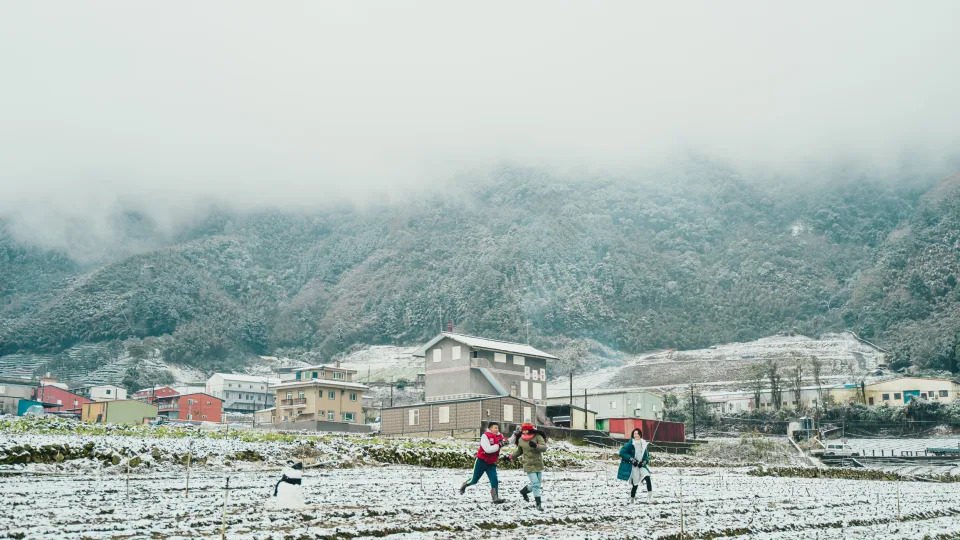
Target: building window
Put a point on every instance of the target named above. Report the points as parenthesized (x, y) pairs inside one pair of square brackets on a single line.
[(526, 415), (108, 391), (230, 385), (886, 397), (537, 393), (189, 417), (613, 404), (353, 396), (535, 375), (437, 355), (943, 393), (444, 413), (543, 374), (500, 357), (519, 360), (332, 394), (298, 375), (331, 415), (339, 375), (414, 417), (289, 395), (870, 401), (896, 395), (300, 395), (526, 372), (323, 373), (456, 353), (523, 389), (314, 374), (476, 354), (348, 417), (508, 413)]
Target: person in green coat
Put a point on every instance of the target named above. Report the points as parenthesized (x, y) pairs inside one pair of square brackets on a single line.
[(531, 444), (633, 464)]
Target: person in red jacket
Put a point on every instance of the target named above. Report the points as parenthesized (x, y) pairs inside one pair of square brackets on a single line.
[(487, 455)]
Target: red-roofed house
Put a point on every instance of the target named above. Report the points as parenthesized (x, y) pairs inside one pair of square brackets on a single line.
[(198, 407), (67, 401), (151, 395)]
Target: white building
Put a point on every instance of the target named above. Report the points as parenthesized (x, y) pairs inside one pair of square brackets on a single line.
[(102, 392), (242, 393), (615, 403)]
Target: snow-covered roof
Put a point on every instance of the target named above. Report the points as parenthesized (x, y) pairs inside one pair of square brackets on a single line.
[(320, 382), (245, 378), (323, 366), (606, 391), (487, 344)]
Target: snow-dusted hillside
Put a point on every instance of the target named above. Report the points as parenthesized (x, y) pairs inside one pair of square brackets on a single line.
[(843, 357)]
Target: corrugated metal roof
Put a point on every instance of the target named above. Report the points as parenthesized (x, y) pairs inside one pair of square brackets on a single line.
[(320, 382), (487, 344)]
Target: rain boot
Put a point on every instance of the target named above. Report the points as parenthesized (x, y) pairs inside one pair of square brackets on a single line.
[(539, 506), (495, 497), (633, 493), (526, 493), (463, 487)]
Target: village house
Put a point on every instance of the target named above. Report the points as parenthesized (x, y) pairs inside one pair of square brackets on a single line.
[(64, 400), (124, 411), (459, 366), (150, 395), (614, 403), (101, 392), (12, 390), (319, 393), (902, 390), (197, 407), (458, 418), (242, 393)]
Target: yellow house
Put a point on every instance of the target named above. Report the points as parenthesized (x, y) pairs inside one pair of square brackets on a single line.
[(319, 393), (902, 390)]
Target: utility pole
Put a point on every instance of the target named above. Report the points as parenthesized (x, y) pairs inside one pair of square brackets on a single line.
[(693, 410), (584, 408), (391, 391)]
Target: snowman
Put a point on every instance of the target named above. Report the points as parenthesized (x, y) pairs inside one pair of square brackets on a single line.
[(288, 493)]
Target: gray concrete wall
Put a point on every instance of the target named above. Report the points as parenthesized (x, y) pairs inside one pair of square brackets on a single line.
[(318, 425)]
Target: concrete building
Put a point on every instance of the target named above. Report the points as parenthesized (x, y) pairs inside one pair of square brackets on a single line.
[(150, 395), (59, 400), (101, 392), (902, 390), (12, 390), (459, 366), (264, 416), (197, 407), (321, 392), (459, 418), (126, 411), (242, 393), (616, 403)]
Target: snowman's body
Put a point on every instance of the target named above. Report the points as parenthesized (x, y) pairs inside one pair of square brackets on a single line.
[(288, 492)]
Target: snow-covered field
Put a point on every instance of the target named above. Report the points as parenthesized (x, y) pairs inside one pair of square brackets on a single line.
[(418, 502)]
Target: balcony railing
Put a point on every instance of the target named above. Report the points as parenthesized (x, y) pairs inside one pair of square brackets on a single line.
[(289, 402)]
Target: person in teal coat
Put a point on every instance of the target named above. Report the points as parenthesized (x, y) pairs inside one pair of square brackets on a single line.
[(634, 469)]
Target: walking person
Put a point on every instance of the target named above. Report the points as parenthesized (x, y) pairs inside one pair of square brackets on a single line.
[(531, 444), (633, 464), (486, 463)]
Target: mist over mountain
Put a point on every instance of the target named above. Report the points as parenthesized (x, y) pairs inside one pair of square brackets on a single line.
[(702, 258)]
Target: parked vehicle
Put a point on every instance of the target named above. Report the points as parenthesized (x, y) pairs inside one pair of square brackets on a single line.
[(944, 451), (833, 449)]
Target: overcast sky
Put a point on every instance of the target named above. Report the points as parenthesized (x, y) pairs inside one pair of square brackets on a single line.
[(171, 103)]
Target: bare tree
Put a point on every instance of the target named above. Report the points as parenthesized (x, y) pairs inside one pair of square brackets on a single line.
[(798, 382), (776, 384), (754, 377), (816, 365)]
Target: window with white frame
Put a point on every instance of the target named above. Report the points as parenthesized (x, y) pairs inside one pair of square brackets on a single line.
[(526, 372), (331, 415), (414, 417), (455, 353), (500, 357), (348, 417), (508, 413), (339, 375), (444, 413), (527, 415), (519, 360), (523, 389), (353, 396), (543, 374), (537, 391), (332, 394), (437, 355), (613, 404), (535, 375)]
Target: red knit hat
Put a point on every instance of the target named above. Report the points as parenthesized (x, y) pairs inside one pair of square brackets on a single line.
[(527, 426)]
